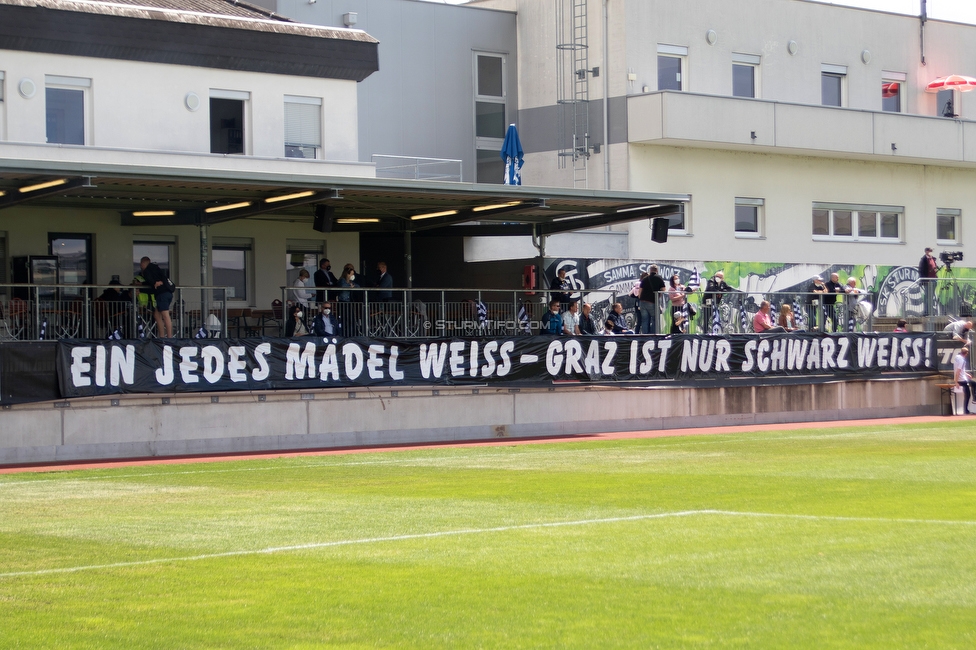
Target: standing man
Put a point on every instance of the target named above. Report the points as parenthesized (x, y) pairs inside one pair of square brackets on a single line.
[(324, 278), (962, 378), (650, 286), (834, 287), (385, 282), (561, 288), (928, 271), (714, 290), (162, 288)]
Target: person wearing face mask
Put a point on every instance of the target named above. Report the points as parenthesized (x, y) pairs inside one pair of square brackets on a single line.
[(325, 323), (295, 327), (552, 321), (324, 278)]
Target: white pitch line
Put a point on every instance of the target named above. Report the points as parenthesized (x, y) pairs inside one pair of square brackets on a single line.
[(349, 542), (478, 531)]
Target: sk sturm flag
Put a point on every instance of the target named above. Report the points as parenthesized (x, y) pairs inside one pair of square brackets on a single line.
[(798, 313), (743, 319), (202, 333), (482, 313), (695, 282), (716, 320)]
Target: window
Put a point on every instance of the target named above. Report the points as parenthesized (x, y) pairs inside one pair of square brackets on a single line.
[(303, 127), (744, 77), (891, 90), (3, 260), (947, 222), (160, 251), (302, 254), (677, 222), (832, 79), (231, 266), (65, 106), (861, 223), (490, 116), (670, 67), (74, 253), (946, 103), (748, 217), (227, 113)]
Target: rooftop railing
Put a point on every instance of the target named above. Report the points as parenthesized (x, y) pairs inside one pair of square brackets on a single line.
[(417, 168)]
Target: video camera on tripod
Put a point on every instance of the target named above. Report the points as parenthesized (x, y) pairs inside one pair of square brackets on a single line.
[(948, 257)]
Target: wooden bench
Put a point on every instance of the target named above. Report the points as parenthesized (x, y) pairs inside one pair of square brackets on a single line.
[(945, 384)]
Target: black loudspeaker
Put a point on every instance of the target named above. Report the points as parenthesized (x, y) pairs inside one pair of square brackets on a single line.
[(659, 230), (323, 218)]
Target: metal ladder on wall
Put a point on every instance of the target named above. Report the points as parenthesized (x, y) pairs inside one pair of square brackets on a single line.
[(573, 85)]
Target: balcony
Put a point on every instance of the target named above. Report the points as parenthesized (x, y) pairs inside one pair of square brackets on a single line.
[(734, 123)]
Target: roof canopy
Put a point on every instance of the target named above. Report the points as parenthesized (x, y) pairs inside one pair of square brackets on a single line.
[(171, 197)]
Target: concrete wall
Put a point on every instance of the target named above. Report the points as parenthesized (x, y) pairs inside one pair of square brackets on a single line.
[(141, 105), (421, 102), (193, 424)]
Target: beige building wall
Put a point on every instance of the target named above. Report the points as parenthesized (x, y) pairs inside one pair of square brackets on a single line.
[(789, 185)]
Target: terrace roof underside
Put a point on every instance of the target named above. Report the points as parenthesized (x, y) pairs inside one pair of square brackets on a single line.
[(347, 204)]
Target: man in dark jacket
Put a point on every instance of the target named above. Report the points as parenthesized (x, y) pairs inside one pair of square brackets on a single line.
[(649, 288), (586, 323), (325, 323), (324, 278), (834, 287), (385, 281), (159, 285), (928, 270)]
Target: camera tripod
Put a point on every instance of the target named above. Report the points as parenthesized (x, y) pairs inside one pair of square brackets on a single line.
[(948, 297)]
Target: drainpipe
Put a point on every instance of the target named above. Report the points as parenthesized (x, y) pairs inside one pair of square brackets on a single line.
[(606, 98), (923, 16)]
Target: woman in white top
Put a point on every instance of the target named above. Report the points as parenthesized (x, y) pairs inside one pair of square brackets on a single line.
[(301, 296), (676, 293), (571, 320)]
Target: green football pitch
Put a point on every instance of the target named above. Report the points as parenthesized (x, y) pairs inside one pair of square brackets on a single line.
[(833, 537)]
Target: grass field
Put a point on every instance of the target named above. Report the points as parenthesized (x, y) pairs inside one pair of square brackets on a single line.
[(810, 538)]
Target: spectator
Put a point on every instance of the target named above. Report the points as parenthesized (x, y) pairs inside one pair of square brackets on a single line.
[(552, 320), (817, 287), (715, 289), (650, 287), (619, 320), (586, 324), (159, 284), (385, 282), (901, 327), (295, 327), (301, 296), (325, 323), (635, 292), (761, 322), (676, 293), (928, 271), (348, 281), (787, 320), (960, 330), (561, 288), (571, 320), (834, 287), (962, 378), (609, 328), (324, 278)]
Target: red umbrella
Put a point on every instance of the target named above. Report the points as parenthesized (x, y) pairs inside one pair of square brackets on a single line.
[(889, 89), (952, 82)]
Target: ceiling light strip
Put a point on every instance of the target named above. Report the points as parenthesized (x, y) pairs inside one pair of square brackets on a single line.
[(431, 215), (43, 186), (232, 206), (289, 197)]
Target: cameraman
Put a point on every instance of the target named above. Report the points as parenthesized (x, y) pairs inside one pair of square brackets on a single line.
[(928, 271)]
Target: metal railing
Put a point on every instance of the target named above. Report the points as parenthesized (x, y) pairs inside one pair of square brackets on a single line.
[(30, 312), (417, 168)]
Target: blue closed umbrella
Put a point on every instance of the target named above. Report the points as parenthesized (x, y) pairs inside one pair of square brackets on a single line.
[(513, 156)]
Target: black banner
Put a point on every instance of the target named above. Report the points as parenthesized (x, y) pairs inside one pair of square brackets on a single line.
[(28, 372), (87, 368)]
